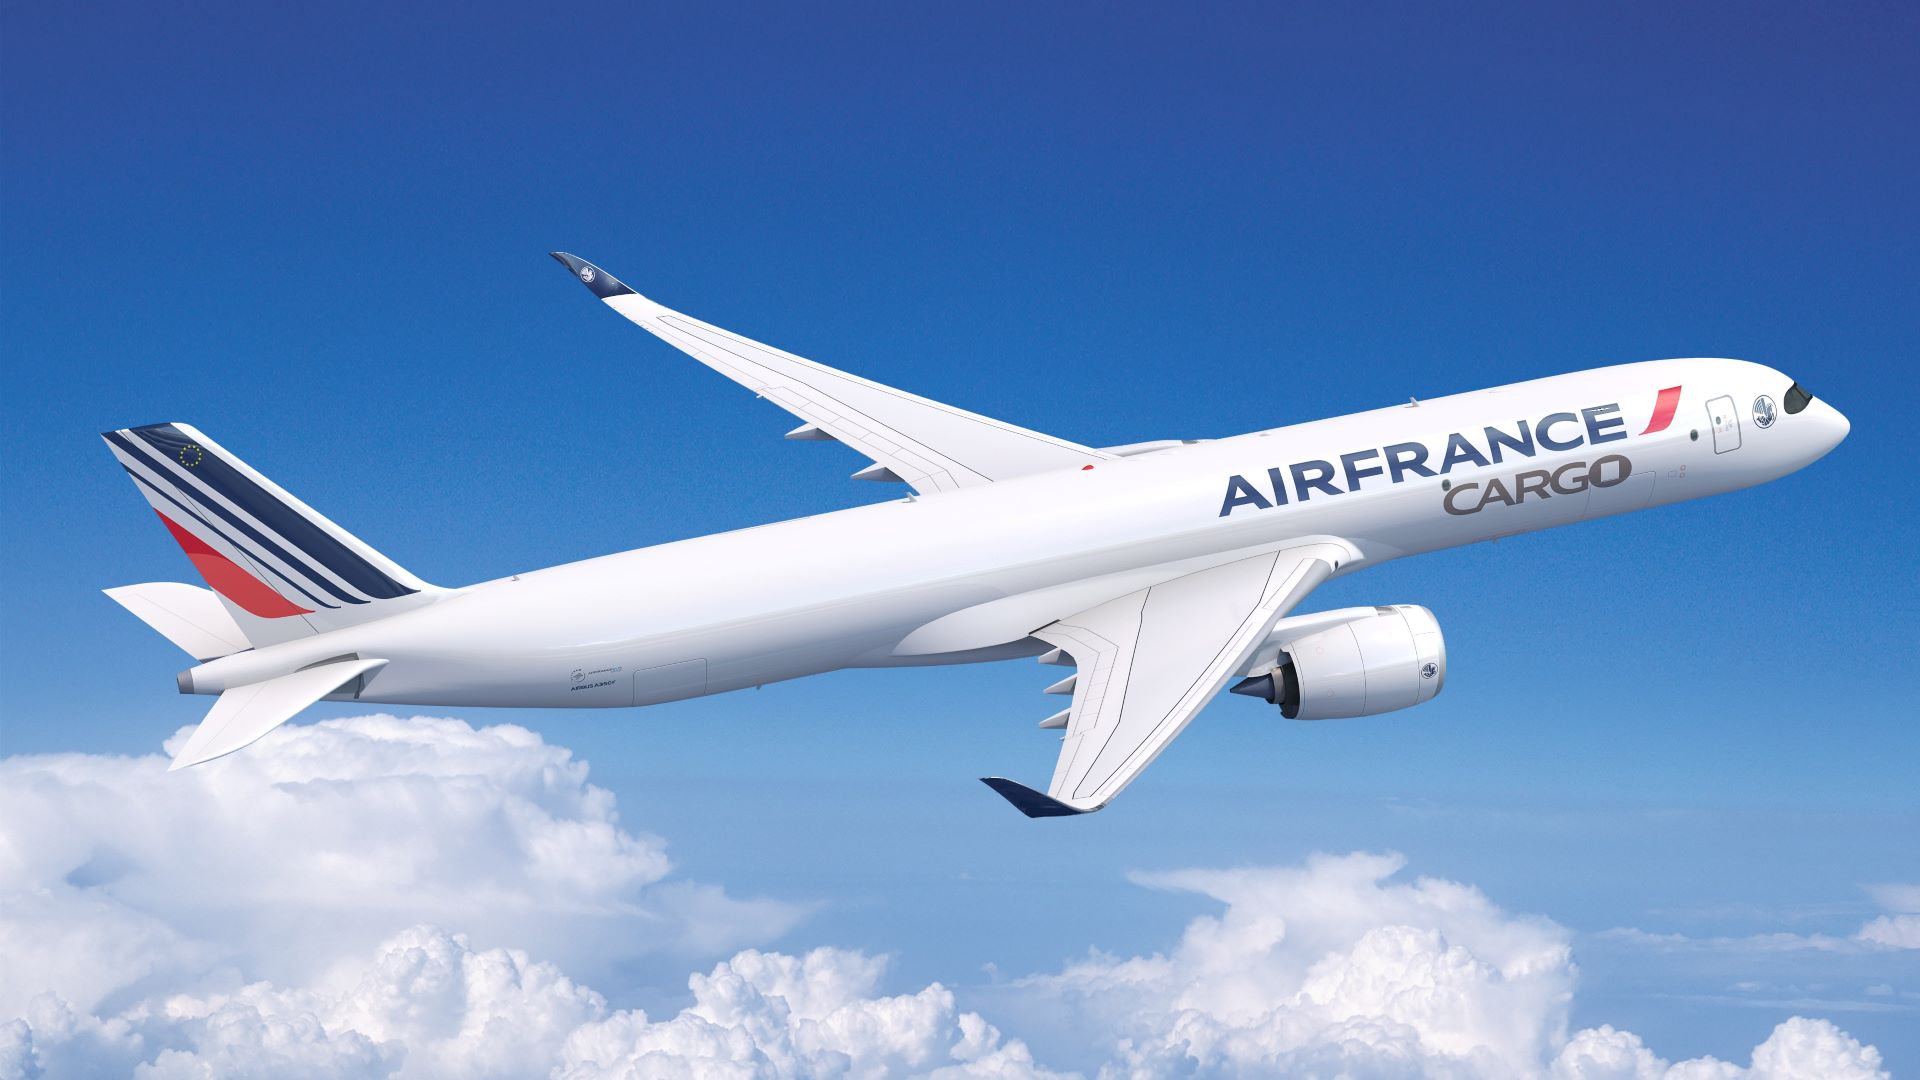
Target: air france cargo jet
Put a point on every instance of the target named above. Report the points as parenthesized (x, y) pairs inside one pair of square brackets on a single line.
[(1160, 573)]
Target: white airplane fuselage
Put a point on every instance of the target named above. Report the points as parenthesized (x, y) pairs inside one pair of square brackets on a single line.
[(968, 575)]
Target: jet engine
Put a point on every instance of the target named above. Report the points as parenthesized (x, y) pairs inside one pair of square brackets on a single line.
[(1370, 660)]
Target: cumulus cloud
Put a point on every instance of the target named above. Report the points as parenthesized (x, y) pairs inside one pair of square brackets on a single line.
[(1798, 1049), (1336, 968), (1332, 967), (428, 1004), (1892, 932), (419, 899), (765, 1014), (118, 878), (1901, 928)]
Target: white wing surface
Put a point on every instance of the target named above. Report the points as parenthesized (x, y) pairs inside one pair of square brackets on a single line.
[(931, 446), (1149, 661)]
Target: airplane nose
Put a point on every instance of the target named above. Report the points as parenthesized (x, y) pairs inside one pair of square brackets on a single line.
[(1833, 425), (1824, 428)]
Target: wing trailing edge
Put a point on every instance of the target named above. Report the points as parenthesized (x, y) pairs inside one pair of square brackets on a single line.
[(1146, 663), (924, 443)]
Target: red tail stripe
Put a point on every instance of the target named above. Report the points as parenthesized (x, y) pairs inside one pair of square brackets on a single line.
[(229, 580), (1663, 410)]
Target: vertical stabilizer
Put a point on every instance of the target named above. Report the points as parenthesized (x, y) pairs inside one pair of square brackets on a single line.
[(282, 569)]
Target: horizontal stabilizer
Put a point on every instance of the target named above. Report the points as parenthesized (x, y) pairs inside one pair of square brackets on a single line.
[(245, 713), (1030, 802), (187, 615)]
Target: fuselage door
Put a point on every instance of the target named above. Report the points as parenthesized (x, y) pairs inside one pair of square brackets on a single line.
[(1726, 424)]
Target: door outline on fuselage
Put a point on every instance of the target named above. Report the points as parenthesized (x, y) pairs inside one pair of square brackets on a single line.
[(670, 682), (1725, 420)]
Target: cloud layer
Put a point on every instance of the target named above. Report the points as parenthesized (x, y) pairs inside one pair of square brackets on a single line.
[(1336, 968), (385, 898), (322, 840)]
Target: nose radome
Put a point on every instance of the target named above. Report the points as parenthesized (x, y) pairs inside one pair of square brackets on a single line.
[(1840, 424), (1832, 424)]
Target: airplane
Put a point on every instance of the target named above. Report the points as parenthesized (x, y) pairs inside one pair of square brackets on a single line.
[(1160, 572)]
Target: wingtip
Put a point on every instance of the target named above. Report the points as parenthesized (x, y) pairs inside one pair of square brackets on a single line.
[(598, 281), (1034, 804)]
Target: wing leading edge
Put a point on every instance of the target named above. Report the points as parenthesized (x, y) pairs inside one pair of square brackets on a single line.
[(1149, 661), (931, 446)]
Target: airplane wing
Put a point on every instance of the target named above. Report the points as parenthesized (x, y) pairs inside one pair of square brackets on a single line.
[(933, 447), (1149, 661)]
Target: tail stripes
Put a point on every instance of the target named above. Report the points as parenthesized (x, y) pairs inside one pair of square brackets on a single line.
[(229, 579), (284, 569), (154, 496), (171, 460)]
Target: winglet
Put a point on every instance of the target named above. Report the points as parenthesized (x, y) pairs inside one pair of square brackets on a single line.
[(1030, 802), (603, 285)]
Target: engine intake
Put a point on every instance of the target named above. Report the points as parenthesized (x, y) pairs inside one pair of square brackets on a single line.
[(1379, 660)]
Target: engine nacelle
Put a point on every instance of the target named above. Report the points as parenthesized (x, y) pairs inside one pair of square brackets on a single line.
[(1370, 660)]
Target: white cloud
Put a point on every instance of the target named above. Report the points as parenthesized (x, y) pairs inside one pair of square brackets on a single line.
[(1798, 1049), (1897, 897), (1336, 968), (427, 1004), (764, 1014), (419, 899), (1899, 930), (1892, 932), (1334, 965), (118, 878)]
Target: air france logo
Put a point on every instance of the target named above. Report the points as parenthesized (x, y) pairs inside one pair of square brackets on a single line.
[(1321, 479)]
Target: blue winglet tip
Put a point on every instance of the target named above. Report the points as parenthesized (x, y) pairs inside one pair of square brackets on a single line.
[(602, 284), (1032, 803)]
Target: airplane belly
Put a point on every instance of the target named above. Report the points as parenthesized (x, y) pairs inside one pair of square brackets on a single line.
[(499, 653)]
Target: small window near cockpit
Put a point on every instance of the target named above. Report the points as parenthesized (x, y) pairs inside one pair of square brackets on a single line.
[(1796, 399)]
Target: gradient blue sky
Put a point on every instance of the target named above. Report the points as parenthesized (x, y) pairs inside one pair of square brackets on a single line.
[(318, 232)]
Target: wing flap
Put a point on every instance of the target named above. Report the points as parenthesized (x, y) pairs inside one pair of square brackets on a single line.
[(1149, 661)]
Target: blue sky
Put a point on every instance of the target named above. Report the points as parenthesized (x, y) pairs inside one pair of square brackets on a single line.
[(319, 234)]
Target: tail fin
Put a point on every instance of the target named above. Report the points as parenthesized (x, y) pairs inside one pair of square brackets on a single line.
[(282, 570)]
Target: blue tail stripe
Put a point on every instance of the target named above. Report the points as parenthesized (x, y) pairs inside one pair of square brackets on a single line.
[(226, 515), (241, 548), (304, 535)]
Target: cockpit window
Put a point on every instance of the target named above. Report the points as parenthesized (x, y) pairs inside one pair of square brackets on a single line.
[(1797, 399)]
